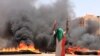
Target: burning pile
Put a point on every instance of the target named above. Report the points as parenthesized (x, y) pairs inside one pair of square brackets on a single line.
[(72, 50), (81, 51), (22, 48)]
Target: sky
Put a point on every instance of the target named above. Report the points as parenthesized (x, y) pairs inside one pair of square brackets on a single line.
[(81, 7)]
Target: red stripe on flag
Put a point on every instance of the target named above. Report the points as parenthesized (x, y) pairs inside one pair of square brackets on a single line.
[(63, 46)]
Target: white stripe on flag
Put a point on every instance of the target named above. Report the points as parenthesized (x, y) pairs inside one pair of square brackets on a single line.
[(58, 47)]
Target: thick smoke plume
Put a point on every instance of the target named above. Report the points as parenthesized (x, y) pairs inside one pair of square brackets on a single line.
[(85, 36), (20, 20)]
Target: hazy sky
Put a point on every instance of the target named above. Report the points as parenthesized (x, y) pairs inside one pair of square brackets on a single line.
[(81, 7)]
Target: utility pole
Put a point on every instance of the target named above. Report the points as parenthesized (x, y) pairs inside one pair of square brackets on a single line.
[(67, 26)]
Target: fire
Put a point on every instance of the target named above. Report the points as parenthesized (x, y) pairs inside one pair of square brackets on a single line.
[(21, 46), (71, 50), (83, 51)]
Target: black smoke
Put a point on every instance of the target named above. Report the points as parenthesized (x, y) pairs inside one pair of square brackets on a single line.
[(85, 36), (21, 21)]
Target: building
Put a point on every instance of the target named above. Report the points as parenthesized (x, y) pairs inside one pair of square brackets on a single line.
[(84, 19)]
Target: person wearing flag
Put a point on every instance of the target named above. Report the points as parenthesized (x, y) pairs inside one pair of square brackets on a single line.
[(60, 42)]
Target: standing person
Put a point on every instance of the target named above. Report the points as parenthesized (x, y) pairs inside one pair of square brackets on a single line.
[(60, 42)]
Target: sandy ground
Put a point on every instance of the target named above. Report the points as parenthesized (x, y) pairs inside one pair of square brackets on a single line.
[(45, 55)]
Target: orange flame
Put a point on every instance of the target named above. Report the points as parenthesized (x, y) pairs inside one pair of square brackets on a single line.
[(71, 50), (22, 46)]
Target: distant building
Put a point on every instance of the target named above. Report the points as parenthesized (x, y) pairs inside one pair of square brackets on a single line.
[(83, 21)]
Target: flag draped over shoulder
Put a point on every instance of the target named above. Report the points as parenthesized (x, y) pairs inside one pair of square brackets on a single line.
[(60, 42)]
